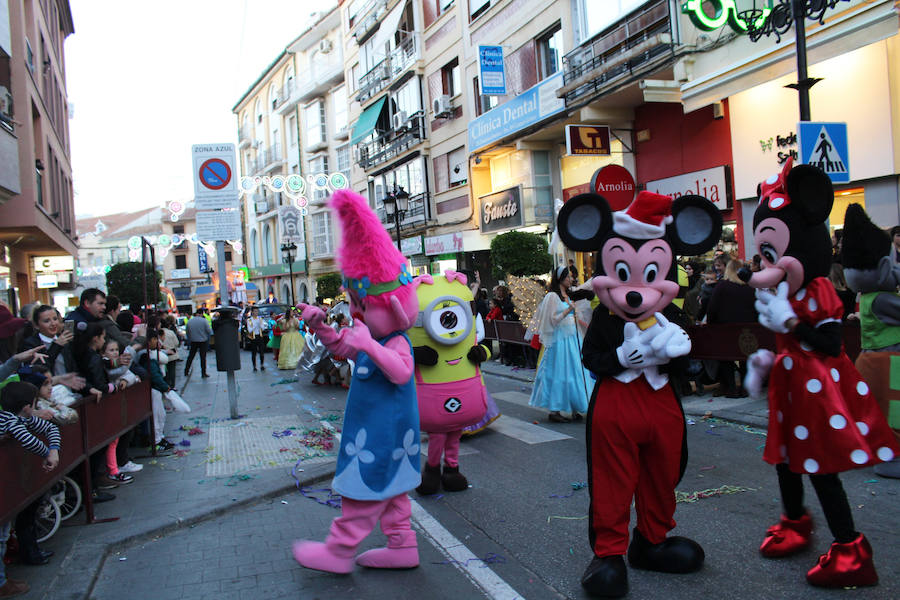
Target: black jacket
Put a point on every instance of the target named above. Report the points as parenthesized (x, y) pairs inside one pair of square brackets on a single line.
[(92, 369), (52, 351)]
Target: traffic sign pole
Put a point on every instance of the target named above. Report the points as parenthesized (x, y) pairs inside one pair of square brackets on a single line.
[(223, 298)]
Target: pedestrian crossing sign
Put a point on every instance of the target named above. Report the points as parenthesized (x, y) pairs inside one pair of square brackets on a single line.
[(824, 145)]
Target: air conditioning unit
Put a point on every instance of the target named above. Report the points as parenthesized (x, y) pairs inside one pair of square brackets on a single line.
[(399, 121), (442, 107), (325, 46)]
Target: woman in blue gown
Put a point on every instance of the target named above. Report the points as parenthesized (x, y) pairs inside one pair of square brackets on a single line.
[(562, 383)]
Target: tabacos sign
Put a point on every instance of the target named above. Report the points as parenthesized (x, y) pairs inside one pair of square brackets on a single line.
[(710, 15), (502, 210), (713, 184)]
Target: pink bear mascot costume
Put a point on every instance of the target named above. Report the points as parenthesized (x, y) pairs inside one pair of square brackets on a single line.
[(378, 461)]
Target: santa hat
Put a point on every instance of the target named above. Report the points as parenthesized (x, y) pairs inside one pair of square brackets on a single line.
[(370, 262), (864, 243), (645, 218)]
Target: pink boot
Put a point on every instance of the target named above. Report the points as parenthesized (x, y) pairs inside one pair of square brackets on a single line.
[(316, 555), (402, 551)]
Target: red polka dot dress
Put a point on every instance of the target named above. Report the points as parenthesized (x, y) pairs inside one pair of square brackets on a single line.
[(822, 418)]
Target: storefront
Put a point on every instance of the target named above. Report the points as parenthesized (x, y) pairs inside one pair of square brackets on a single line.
[(763, 137)]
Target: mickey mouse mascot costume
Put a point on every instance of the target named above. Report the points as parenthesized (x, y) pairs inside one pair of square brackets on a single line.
[(636, 446), (822, 417)]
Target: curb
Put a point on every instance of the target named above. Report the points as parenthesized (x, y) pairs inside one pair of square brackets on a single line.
[(88, 559)]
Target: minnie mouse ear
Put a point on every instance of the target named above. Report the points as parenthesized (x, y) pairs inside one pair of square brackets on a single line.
[(583, 222)]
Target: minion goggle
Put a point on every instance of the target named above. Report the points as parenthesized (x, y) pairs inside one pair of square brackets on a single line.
[(446, 320)]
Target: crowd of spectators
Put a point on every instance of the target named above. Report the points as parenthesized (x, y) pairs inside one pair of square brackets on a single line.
[(49, 363)]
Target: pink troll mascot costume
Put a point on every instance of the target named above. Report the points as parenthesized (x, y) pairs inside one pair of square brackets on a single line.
[(378, 461)]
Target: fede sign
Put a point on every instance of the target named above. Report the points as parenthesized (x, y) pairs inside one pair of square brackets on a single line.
[(615, 183)]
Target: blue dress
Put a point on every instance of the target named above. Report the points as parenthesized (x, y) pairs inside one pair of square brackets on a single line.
[(379, 455), (561, 383)]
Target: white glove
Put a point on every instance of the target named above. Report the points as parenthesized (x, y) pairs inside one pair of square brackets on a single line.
[(636, 351), (759, 365), (775, 309), (668, 339)]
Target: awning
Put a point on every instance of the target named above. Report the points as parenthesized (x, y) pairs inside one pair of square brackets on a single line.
[(204, 290), (388, 27), (182, 293), (366, 122)]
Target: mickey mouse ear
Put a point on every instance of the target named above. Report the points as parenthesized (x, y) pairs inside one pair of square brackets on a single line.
[(697, 224), (584, 222)]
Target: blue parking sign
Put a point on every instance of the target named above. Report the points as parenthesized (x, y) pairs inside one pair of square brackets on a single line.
[(825, 145), (491, 71)]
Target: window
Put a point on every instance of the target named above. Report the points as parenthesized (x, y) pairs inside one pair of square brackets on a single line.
[(273, 96), (550, 52), (318, 164), (477, 8), (354, 77), (451, 78), (292, 131), (339, 97), (483, 103), (407, 98), (179, 229), (459, 167), (314, 119), (258, 110), (254, 248), (228, 256), (321, 238), (343, 159), (181, 261), (267, 244)]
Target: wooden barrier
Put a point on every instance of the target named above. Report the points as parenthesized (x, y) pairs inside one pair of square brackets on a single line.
[(21, 473), (722, 341)]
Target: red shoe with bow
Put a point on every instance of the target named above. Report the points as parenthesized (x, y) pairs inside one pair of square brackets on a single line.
[(845, 565), (788, 537)]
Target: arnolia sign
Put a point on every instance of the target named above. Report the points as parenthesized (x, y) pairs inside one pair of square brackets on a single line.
[(713, 184)]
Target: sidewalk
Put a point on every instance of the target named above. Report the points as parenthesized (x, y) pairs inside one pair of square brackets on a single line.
[(231, 463), (740, 410)]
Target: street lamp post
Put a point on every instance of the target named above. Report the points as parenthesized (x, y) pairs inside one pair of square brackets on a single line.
[(287, 254), (784, 15), (396, 204), (147, 248)]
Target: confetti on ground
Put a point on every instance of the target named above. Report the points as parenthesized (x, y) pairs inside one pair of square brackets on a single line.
[(284, 381), (237, 478), (709, 468), (185, 443), (725, 490), (491, 558), (708, 418), (331, 499), (566, 518), (871, 481), (196, 431), (182, 453), (281, 434), (576, 485)]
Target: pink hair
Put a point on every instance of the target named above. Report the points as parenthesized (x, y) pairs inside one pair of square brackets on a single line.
[(366, 249)]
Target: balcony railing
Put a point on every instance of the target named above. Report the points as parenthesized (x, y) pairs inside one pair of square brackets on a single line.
[(416, 216), (381, 75), (245, 133), (321, 76), (392, 143), (286, 91), (635, 47), (268, 158), (365, 20)]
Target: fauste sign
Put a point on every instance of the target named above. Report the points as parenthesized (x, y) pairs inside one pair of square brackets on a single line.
[(713, 184), (502, 210)]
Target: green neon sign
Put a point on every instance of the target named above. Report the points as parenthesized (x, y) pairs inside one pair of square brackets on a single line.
[(725, 12)]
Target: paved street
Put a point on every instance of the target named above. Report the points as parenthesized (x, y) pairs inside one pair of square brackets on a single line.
[(193, 528)]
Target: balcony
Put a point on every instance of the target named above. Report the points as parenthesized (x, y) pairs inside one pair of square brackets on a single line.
[(321, 77), (632, 49), (284, 96), (392, 143), (384, 73), (416, 216), (245, 136), (269, 158), (367, 18)]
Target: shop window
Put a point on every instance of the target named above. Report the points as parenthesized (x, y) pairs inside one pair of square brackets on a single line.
[(550, 52), (451, 78), (181, 261)]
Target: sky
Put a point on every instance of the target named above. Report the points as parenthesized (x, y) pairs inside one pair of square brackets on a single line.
[(146, 80)]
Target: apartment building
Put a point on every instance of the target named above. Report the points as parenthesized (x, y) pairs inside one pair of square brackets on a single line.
[(37, 217)]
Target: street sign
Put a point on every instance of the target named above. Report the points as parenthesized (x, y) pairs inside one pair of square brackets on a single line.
[(218, 225), (825, 145), (491, 72), (214, 172), (587, 139)]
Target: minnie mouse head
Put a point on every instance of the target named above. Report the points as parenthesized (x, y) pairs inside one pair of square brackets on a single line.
[(789, 228), (636, 273)]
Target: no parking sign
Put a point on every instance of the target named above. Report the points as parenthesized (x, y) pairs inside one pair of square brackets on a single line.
[(215, 176)]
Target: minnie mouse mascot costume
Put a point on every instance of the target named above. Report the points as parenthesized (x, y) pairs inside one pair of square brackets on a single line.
[(636, 442), (822, 417)]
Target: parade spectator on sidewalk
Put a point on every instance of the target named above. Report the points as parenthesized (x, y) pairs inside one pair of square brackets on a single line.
[(710, 279), (17, 420), (158, 387), (257, 338), (199, 331), (55, 337), (111, 324), (562, 383), (170, 342), (91, 307), (731, 302)]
